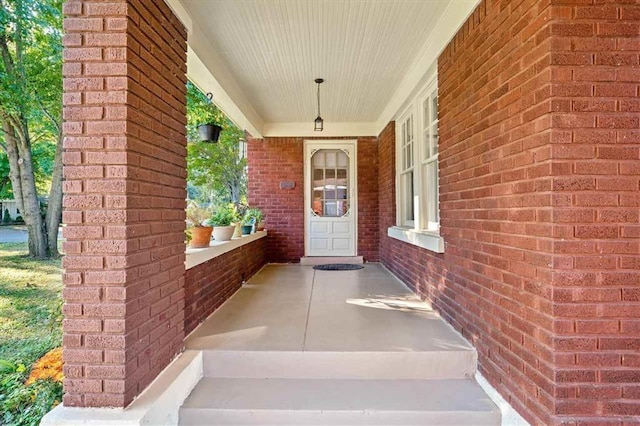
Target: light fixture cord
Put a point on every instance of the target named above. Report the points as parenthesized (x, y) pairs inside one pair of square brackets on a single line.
[(318, 99)]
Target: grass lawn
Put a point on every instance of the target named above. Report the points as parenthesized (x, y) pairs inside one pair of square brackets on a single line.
[(30, 326), (30, 304)]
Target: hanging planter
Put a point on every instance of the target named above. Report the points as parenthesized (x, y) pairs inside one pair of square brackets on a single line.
[(209, 132)]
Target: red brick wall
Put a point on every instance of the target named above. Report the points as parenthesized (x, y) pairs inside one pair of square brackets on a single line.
[(539, 206), (596, 150), (210, 284), (368, 224), (273, 160), (495, 196), (386, 187), (124, 144)]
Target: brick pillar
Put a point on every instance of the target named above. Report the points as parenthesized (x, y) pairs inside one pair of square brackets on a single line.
[(125, 170), (596, 151)]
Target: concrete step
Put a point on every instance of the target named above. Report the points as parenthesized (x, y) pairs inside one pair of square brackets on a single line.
[(458, 363), (322, 260), (229, 401)]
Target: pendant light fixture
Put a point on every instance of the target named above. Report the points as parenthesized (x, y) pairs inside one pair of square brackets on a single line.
[(319, 122)]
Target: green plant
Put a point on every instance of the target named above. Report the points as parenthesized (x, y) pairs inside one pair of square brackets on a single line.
[(30, 326), (224, 216), (22, 404), (197, 215), (253, 213), (6, 218)]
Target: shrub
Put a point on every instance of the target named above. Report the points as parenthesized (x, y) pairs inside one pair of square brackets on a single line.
[(6, 218), (24, 402)]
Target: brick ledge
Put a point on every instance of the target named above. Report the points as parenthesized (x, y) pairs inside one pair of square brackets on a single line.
[(196, 256)]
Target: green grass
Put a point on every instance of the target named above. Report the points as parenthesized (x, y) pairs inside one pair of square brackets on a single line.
[(30, 304), (30, 326)]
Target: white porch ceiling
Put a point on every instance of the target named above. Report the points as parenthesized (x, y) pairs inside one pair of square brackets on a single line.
[(265, 54)]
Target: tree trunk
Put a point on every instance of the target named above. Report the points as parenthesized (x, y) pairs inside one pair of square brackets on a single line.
[(54, 210), (11, 141), (24, 188)]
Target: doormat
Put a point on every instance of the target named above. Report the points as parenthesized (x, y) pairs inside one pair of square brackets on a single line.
[(338, 267)]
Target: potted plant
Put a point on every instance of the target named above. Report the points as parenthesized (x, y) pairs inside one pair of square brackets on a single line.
[(247, 225), (209, 132), (256, 215), (222, 223), (240, 210), (199, 232)]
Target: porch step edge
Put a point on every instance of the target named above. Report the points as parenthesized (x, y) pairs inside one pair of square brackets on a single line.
[(449, 364), (305, 401), (322, 260)]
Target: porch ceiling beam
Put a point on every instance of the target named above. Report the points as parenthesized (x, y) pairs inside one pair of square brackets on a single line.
[(207, 69), (331, 129)]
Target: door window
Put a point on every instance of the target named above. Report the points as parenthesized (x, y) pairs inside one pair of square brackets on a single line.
[(330, 183)]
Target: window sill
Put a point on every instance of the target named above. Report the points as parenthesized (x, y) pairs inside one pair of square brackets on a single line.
[(425, 239), (196, 256)]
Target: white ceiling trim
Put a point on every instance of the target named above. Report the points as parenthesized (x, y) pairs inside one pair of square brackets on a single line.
[(331, 129), (181, 13), (453, 18), (207, 70)]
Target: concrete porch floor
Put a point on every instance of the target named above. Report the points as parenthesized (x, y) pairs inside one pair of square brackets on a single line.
[(297, 308), (298, 346)]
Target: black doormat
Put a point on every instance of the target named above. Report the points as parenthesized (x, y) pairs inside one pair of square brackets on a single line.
[(338, 267)]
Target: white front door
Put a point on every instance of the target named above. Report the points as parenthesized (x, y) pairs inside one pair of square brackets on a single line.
[(330, 198)]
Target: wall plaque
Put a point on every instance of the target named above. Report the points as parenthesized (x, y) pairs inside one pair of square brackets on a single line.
[(287, 184)]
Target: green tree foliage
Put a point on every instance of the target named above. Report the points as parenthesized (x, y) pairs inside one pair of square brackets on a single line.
[(30, 114), (216, 173)]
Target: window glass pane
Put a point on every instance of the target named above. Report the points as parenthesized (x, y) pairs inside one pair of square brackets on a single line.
[(431, 176), (330, 173), (434, 139), (410, 151), (318, 159), (343, 160), (408, 196), (434, 107), (331, 159), (330, 185), (330, 208)]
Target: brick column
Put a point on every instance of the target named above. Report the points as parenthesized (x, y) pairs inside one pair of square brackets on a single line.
[(596, 151), (125, 170)]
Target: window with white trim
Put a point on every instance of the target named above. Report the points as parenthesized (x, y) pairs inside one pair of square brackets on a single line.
[(417, 185), (406, 169), (429, 164)]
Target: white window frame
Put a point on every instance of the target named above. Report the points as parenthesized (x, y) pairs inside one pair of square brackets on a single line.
[(424, 230)]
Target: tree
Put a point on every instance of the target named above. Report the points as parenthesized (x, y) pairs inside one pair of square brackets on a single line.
[(215, 170), (30, 111)]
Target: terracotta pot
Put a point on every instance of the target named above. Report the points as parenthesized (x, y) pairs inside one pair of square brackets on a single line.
[(260, 226), (223, 233), (200, 236)]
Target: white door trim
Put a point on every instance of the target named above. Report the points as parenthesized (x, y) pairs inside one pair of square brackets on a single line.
[(352, 144)]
